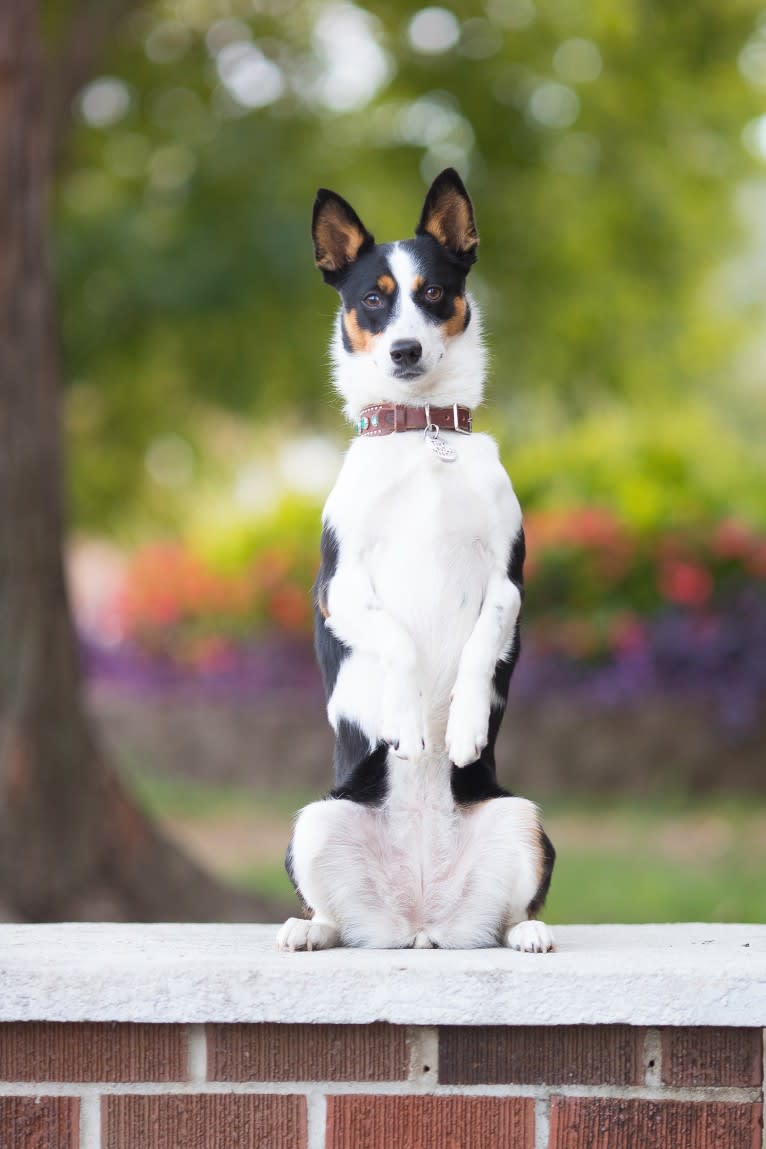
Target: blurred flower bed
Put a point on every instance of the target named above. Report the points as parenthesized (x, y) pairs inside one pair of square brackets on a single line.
[(611, 613)]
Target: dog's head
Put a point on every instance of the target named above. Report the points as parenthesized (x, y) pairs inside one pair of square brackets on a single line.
[(406, 331)]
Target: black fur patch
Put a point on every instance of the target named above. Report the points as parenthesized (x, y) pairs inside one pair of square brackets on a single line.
[(477, 782), (289, 864), (438, 266), (330, 651), (434, 266), (361, 774), (549, 858), (360, 279)]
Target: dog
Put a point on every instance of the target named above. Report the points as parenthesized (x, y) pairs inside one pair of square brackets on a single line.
[(417, 606)]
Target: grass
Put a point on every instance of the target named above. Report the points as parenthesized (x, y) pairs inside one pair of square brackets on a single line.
[(665, 859)]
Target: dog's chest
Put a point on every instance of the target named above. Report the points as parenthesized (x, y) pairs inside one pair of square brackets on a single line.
[(424, 530)]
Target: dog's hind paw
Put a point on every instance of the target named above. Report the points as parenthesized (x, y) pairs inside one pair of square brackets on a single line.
[(530, 937), (307, 934)]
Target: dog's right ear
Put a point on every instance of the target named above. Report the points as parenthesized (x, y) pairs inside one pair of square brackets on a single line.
[(339, 235)]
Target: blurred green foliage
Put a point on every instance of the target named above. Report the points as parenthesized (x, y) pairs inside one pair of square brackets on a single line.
[(636, 860), (603, 145)]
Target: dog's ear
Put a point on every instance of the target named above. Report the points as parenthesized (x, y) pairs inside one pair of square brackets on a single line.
[(448, 216), (339, 235)]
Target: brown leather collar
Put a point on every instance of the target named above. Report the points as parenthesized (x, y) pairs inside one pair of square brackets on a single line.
[(385, 418)]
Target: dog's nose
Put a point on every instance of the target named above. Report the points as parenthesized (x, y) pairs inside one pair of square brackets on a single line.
[(406, 352)]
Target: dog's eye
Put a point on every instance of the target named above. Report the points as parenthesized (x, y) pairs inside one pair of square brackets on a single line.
[(433, 293), (372, 299)]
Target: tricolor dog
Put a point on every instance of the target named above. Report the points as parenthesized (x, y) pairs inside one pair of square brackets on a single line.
[(417, 614)]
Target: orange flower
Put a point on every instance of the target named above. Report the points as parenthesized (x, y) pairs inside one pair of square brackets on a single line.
[(289, 606)]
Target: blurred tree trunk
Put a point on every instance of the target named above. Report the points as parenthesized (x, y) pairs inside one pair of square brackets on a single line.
[(73, 844)]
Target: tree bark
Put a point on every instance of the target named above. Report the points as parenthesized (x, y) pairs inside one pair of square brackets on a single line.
[(73, 843)]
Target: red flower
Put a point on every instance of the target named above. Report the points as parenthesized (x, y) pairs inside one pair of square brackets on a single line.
[(685, 583)]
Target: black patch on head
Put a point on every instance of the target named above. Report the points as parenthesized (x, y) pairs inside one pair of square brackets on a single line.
[(436, 266), (330, 651), (361, 773), (363, 277), (549, 858)]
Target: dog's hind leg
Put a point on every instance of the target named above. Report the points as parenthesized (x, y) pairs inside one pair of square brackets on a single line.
[(316, 860), (532, 935)]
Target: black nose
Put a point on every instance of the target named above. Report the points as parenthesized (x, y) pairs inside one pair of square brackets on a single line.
[(406, 352)]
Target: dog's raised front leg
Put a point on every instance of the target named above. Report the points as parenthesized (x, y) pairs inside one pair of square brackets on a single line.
[(357, 618), (489, 641)]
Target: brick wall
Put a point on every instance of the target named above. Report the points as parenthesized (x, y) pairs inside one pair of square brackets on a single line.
[(293, 1086)]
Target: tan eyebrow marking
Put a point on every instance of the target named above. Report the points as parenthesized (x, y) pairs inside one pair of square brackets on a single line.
[(387, 283), (418, 282)]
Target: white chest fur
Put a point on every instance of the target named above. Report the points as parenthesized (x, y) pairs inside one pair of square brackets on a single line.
[(418, 541)]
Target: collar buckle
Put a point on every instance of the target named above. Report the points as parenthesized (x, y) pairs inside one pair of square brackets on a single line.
[(455, 418)]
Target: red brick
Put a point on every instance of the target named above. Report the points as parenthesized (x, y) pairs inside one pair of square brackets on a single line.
[(39, 1123), (58, 1051), (538, 1055), (204, 1121), (307, 1052), (364, 1122), (709, 1056), (607, 1123)]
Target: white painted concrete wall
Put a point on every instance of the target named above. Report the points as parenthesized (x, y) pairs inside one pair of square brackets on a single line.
[(685, 974)]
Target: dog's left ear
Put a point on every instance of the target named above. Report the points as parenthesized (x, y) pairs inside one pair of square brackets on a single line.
[(448, 216)]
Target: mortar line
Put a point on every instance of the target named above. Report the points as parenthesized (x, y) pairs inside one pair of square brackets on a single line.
[(196, 1035), (423, 1042), (90, 1121), (542, 1122), (742, 1095), (316, 1111), (653, 1053)]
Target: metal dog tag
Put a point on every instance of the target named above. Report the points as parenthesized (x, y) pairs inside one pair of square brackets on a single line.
[(441, 449)]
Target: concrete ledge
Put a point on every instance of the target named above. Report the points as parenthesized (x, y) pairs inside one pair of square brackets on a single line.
[(664, 975)]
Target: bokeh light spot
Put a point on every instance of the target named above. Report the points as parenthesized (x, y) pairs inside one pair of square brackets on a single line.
[(433, 30), (104, 102), (170, 460), (554, 105), (248, 76), (578, 61)]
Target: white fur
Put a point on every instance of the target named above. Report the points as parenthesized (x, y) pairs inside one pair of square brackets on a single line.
[(415, 868), (422, 599), (423, 603), (530, 937), (456, 365)]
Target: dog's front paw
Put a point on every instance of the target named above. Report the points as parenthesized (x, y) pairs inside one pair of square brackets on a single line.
[(307, 934), (402, 724), (468, 724), (530, 937)]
